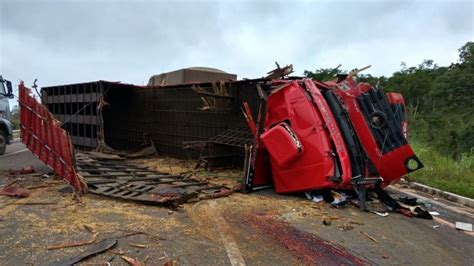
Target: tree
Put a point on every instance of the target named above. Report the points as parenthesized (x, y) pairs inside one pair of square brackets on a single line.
[(324, 74), (466, 53)]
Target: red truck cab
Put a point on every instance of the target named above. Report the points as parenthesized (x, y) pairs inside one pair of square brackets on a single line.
[(334, 135), (304, 143)]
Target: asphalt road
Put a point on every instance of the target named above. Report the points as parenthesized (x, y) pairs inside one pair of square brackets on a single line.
[(260, 228), (17, 156)]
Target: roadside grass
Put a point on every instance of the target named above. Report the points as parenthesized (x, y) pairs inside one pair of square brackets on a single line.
[(443, 172)]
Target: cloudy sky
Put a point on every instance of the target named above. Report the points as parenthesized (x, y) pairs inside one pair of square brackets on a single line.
[(73, 41)]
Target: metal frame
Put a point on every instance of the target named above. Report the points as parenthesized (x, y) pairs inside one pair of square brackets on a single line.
[(120, 116), (41, 133)]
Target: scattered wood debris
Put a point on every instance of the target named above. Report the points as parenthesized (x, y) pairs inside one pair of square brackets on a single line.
[(118, 252), (151, 236), (327, 221), (279, 72), (131, 261), (74, 244), (369, 237), (33, 203), (137, 245), (89, 228), (345, 227)]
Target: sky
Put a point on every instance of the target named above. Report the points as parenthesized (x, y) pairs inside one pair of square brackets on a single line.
[(63, 42)]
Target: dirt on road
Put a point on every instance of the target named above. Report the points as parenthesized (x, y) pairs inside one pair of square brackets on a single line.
[(260, 228)]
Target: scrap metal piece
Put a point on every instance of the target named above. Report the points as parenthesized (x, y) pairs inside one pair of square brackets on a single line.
[(237, 136), (14, 191), (93, 250), (249, 117), (42, 134), (250, 172), (463, 226)]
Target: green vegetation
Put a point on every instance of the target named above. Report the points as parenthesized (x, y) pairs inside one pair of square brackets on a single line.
[(440, 104), (443, 172), (15, 118)]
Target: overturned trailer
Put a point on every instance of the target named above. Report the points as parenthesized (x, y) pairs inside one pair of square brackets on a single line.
[(178, 119), (298, 134)]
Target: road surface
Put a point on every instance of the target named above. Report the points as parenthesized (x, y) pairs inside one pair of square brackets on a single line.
[(17, 156), (256, 229)]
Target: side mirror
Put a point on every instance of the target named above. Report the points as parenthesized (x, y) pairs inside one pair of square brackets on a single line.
[(9, 89)]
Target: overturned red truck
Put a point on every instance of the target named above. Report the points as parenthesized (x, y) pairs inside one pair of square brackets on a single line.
[(332, 135), (296, 134)]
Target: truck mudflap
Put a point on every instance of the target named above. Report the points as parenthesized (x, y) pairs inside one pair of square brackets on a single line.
[(378, 130), (317, 162), (43, 135)]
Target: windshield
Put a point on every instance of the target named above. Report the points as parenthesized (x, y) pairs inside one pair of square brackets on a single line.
[(2, 88)]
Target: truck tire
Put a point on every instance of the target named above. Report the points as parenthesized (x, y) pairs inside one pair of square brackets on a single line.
[(3, 142)]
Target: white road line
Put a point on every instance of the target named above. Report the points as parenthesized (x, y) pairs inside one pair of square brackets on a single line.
[(233, 252), (15, 152)]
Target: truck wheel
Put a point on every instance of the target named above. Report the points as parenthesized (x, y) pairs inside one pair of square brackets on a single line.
[(3, 142)]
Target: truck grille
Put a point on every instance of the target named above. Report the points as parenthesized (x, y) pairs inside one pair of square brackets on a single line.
[(381, 120)]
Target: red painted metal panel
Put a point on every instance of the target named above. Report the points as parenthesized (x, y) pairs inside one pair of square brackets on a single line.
[(315, 165), (334, 132), (391, 165), (43, 135)]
